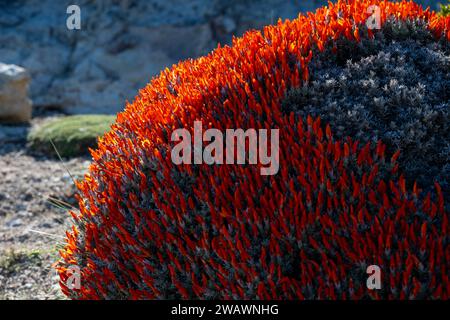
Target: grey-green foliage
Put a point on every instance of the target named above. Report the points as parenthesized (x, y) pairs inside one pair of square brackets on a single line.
[(395, 88)]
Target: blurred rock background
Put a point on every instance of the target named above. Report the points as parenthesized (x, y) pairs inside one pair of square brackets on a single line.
[(122, 44)]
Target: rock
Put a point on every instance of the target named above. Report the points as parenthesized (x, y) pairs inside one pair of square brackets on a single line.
[(109, 75), (227, 24), (14, 223), (12, 133), (223, 27), (15, 106), (25, 214), (45, 225)]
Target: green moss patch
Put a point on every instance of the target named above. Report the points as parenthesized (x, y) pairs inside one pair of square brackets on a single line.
[(445, 9), (14, 261), (72, 135)]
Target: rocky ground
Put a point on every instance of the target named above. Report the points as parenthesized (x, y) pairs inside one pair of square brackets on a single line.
[(31, 225)]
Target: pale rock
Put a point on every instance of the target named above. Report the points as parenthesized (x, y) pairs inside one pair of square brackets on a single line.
[(14, 223), (15, 106)]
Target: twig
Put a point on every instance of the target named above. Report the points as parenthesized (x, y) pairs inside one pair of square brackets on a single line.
[(62, 162)]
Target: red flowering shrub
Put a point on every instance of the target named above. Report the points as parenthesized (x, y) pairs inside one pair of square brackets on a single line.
[(148, 228)]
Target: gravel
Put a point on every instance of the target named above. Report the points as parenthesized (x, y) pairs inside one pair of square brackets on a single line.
[(31, 227)]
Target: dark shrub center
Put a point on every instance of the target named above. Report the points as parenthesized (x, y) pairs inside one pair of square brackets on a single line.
[(396, 90)]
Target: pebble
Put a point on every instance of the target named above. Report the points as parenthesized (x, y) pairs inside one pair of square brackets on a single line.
[(14, 223), (25, 214)]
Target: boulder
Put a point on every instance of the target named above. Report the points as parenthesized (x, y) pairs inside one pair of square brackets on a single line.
[(15, 106)]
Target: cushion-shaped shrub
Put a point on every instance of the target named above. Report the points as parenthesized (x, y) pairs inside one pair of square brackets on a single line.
[(148, 228)]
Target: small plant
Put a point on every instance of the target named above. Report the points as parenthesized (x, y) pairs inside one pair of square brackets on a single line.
[(148, 228), (13, 261)]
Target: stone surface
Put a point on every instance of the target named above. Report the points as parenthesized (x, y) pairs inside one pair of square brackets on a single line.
[(122, 44), (15, 106), (14, 223)]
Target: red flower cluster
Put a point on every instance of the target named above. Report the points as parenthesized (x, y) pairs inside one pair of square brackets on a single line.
[(150, 229)]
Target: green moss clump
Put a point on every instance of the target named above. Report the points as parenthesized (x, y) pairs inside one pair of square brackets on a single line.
[(71, 135), (445, 9), (14, 261)]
